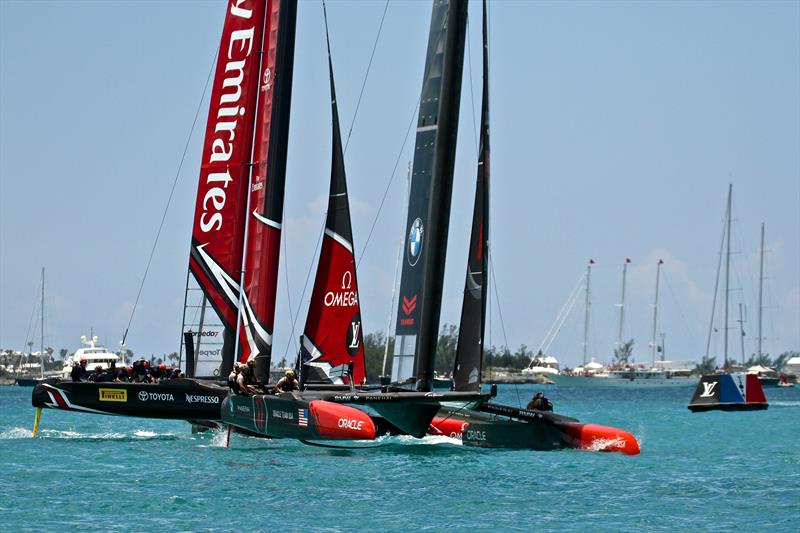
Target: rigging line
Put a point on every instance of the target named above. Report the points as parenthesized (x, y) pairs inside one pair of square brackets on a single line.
[(28, 334), (388, 185), (677, 305), (500, 314), (305, 287), (497, 301), (288, 292), (366, 76), (472, 94), (716, 286), (171, 194)]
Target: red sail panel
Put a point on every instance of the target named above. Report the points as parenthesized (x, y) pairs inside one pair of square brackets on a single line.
[(219, 220), (269, 173), (332, 339)]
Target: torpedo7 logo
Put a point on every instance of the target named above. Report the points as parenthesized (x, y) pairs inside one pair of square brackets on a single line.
[(409, 304)]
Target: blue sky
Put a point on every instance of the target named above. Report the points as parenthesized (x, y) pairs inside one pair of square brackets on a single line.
[(616, 127)]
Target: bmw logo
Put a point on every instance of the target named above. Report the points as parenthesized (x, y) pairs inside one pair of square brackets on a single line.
[(415, 236)]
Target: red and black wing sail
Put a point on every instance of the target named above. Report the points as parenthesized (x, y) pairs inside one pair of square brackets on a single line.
[(469, 352), (219, 221), (417, 331), (332, 349), (268, 180)]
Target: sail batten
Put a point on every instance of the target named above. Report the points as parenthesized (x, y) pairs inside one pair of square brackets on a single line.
[(419, 304)]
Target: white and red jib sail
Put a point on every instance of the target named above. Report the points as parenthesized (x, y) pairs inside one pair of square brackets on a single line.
[(254, 69), (332, 349)]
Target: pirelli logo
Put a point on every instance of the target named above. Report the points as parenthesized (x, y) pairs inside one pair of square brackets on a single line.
[(113, 395)]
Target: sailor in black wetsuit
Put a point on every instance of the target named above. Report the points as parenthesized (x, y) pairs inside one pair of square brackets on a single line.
[(78, 371), (540, 403)]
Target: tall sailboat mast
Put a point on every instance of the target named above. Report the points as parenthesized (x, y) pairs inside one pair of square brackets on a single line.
[(760, 291), (727, 273), (622, 304), (41, 333), (654, 341), (587, 312)]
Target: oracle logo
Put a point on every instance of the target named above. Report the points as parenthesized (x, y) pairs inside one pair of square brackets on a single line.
[(349, 423)]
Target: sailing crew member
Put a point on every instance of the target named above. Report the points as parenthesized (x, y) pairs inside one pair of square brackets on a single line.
[(232, 379), (288, 382), (78, 372), (251, 374), (241, 380), (540, 403), (99, 376)]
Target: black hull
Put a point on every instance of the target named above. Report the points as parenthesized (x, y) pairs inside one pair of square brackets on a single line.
[(523, 429), (399, 412), (27, 382), (728, 407), (177, 399), (410, 412), (503, 426), (513, 434)]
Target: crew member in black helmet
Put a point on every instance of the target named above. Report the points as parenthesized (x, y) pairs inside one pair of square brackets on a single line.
[(540, 403)]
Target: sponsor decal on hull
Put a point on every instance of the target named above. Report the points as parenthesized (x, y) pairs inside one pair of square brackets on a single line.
[(349, 423), (283, 415), (474, 434), (145, 396), (113, 395), (199, 398)]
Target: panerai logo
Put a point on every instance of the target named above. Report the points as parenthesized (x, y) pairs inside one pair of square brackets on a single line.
[(708, 389)]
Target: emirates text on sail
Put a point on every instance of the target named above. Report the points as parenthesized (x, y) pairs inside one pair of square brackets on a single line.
[(241, 44)]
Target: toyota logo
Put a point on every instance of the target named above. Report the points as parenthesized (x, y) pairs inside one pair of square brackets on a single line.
[(143, 396)]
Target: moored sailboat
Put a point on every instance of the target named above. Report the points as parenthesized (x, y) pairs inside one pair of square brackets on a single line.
[(718, 391)]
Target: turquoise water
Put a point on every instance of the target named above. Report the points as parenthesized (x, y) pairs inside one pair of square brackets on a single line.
[(697, 472)]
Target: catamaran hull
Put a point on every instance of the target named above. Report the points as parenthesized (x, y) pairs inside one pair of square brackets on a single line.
[(399, 412), (532, 430), (287, 416), (177, 399)]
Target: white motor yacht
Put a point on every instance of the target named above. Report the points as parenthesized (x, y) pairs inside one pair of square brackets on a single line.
[(95, 355)]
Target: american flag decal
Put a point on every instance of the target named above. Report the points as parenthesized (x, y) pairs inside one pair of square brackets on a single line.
[(302, 417)]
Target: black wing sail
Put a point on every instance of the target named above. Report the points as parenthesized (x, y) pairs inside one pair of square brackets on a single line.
[(469, 353), (429, 201)]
